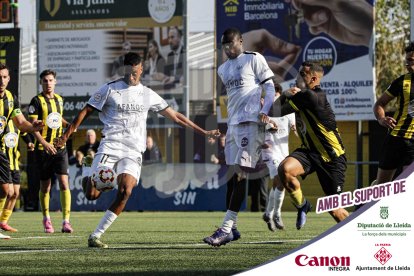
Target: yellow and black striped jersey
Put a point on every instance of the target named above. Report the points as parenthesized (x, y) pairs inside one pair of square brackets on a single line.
[(9, 108), (316, 123), (9, 144), (404, 91), (50, 111)]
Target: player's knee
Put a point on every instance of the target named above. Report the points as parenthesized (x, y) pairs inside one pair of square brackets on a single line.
[(124, 193), (13, 196), (10, 194)]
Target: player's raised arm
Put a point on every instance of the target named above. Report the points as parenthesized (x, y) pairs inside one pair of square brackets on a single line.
[(185, 122)]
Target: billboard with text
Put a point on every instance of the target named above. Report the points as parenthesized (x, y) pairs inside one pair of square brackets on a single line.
[(286, 33), (84, 42)]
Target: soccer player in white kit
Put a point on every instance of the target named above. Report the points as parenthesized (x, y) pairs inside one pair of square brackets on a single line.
[(275, 149), (245, 75), (123, 107)]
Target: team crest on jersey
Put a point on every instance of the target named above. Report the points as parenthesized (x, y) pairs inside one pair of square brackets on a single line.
[(244, 142), (3, 123), (31, 109), (54, 120), (97, 98), (11, 104), (10, 139)]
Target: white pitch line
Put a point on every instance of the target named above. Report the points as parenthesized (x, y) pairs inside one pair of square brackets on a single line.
[(38, 251), (171, 246), (275, 242), (45, 237)]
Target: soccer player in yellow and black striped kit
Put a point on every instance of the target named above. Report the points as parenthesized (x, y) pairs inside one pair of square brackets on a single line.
[(10, 110), (398, 147), (10, 146), (48, 107), (322, 150)]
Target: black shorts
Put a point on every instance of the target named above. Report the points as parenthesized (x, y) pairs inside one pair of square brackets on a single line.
[(5, 175), (15, 175), (331, 175), (396, 152), (48, 165)]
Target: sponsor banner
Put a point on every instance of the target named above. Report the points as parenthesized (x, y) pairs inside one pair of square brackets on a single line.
[(374, 240), (162, 187), (85, 41), (281, 32), (10, 55), (53, 10)]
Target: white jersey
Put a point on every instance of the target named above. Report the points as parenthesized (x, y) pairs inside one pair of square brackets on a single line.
[(124, 110), (278, 140), (242, 77)]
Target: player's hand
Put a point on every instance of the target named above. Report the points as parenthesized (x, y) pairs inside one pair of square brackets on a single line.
[(263, 118), (271, 126), (49, 148), (59, 142), (213, 133), (349, 22), (291, 91), (38, 125), (30, 146), (388, 122)]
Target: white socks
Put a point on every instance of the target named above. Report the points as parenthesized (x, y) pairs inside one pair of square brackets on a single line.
[(229, 219), (104, 224), (279, 196), (274, 205), (271, 203)]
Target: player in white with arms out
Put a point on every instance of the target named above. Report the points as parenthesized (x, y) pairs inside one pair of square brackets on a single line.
[(123, 107), (275, 149), (245, 75)]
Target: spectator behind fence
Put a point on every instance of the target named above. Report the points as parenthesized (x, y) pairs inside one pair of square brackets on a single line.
[(152, 154)]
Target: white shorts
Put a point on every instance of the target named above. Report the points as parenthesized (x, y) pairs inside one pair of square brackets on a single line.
[(272, 165), (122, 161), (243, 144)]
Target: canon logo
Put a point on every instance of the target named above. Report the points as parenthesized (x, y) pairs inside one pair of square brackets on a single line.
[(303, 260)]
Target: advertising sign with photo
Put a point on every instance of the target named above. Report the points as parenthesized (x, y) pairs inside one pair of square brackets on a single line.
[(85, 41), (287, 34)]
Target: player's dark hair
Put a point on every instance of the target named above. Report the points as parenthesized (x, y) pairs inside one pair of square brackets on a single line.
[(3, 66), (278, 87), (314, 66), (47, 72), (410, 47), (132, 59), (231, 33)]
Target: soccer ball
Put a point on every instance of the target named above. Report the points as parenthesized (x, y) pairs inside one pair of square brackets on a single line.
[(104, 178)]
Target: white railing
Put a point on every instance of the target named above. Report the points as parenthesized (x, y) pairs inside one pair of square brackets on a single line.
[(29, 59)]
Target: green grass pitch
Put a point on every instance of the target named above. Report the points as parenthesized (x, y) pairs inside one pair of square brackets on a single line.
[(149, 243)]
